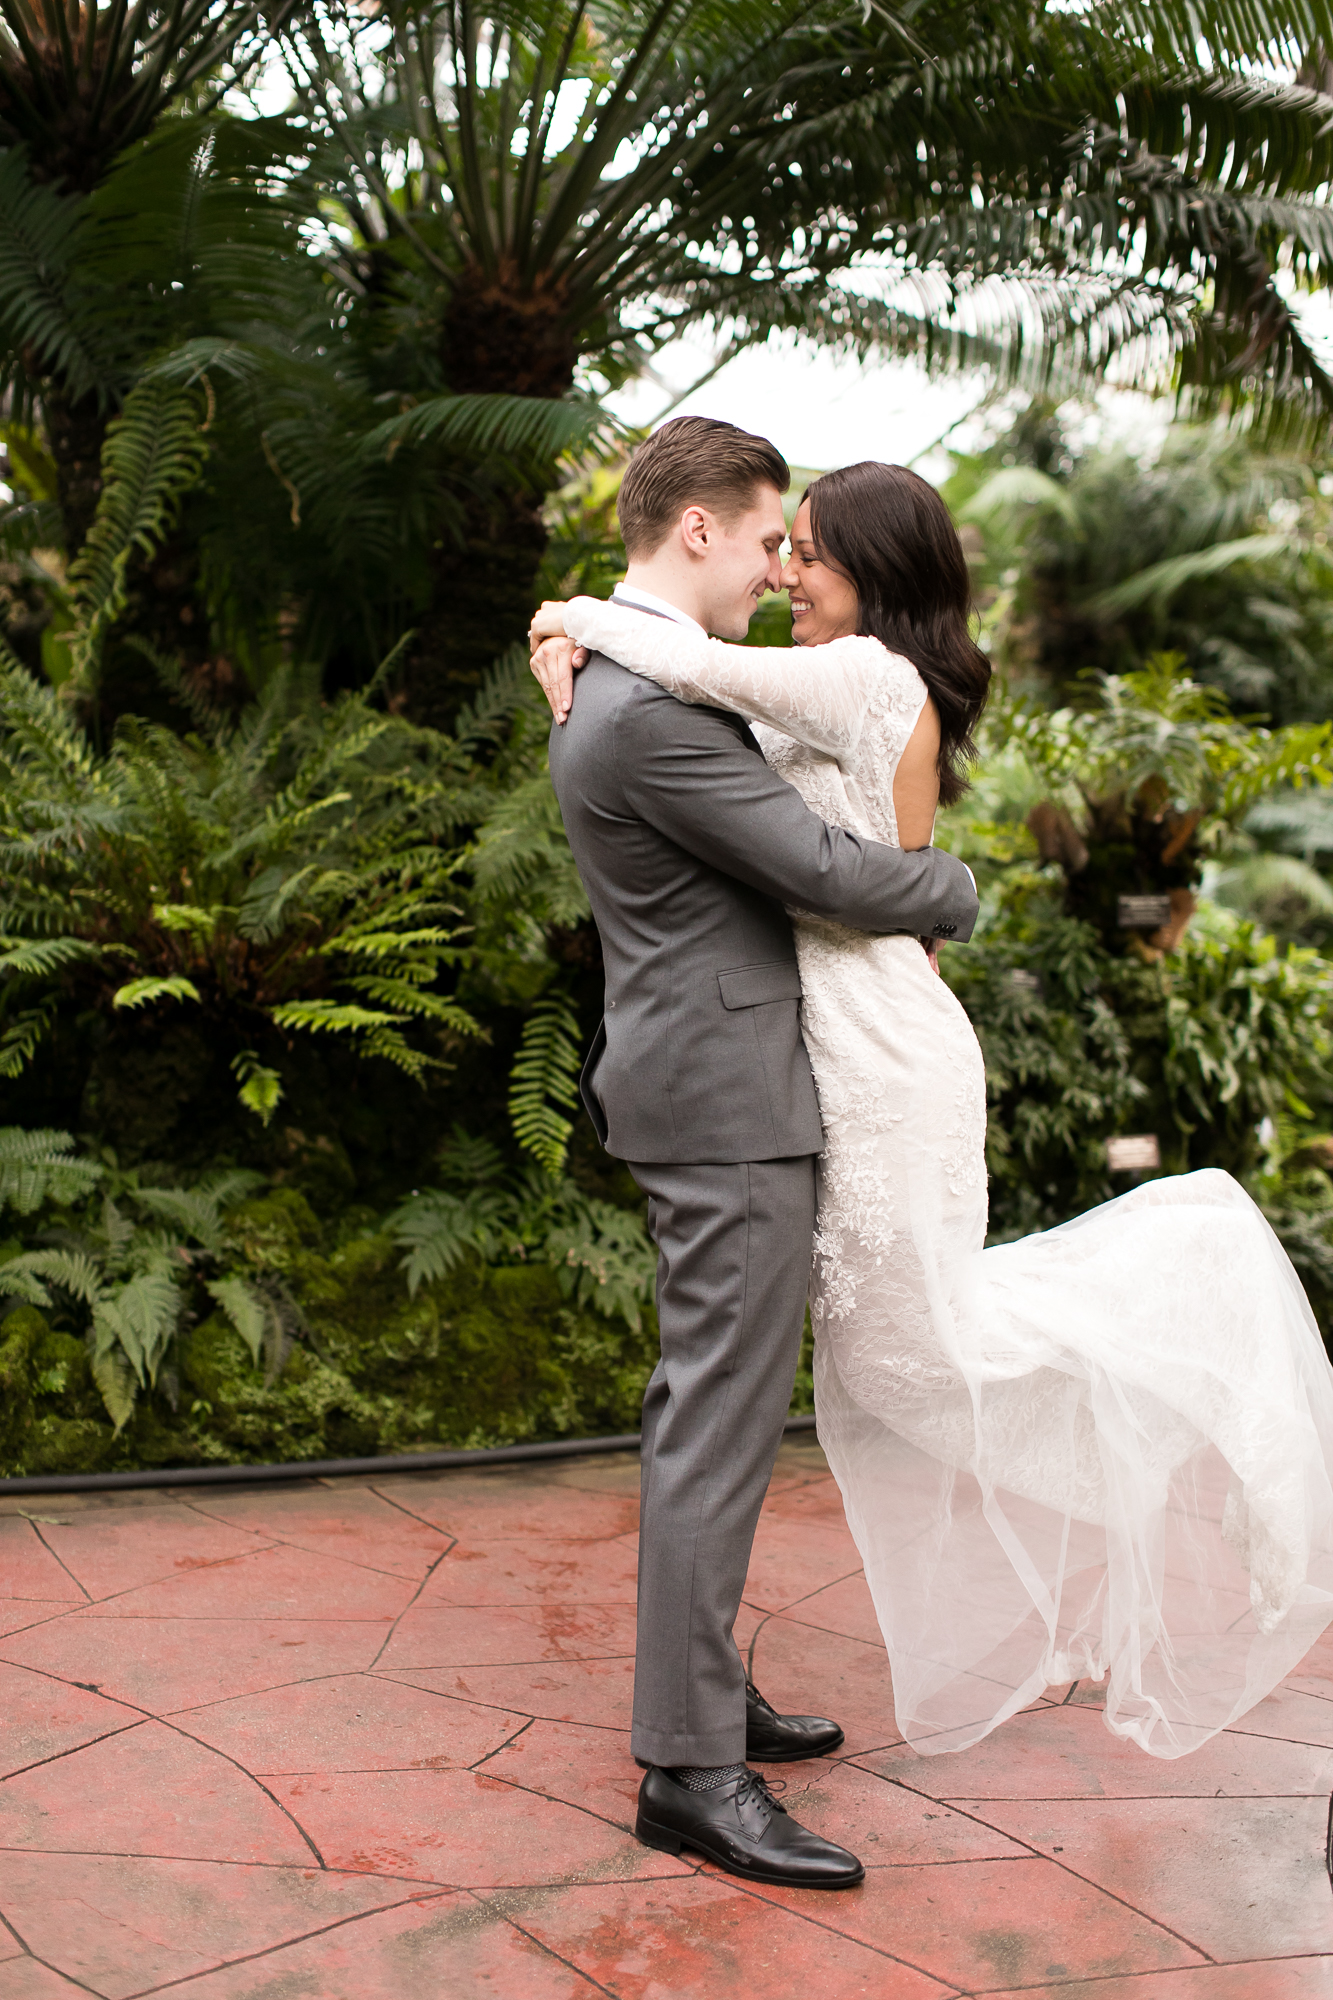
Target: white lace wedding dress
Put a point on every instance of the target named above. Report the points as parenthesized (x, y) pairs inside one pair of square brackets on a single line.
[(1103, 1451)]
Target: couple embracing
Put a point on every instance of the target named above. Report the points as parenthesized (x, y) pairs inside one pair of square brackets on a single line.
[(1100, 1452)]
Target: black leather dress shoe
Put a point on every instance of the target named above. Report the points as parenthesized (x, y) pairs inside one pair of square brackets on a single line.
[(771, 1738), (742, 1828)]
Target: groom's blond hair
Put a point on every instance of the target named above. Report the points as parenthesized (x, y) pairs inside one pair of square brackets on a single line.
[(693, 462)]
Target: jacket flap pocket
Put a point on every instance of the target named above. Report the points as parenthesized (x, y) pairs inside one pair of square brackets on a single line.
[(753, 985)]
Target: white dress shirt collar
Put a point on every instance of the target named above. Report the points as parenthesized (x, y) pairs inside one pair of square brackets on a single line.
[(643, 600)]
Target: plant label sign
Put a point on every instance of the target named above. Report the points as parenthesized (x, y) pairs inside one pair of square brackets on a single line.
[(1135, 1153), (1142, 913)]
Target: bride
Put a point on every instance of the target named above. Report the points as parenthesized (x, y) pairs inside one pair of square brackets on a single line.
[(1100, 1452)]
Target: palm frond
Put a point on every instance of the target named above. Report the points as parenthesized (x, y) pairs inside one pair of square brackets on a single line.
[(38, 227), (514, 426), (1161, 580)]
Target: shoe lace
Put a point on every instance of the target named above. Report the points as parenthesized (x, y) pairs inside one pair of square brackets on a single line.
[(760, 1791), (752, 1694)]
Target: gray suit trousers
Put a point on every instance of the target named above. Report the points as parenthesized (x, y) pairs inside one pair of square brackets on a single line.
[(734, 1245)]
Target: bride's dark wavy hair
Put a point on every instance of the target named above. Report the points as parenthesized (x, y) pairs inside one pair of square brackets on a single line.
[(890, 534)]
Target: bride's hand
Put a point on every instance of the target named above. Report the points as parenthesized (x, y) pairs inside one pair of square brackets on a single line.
[(931, 946), (555, 663), (548, 623)]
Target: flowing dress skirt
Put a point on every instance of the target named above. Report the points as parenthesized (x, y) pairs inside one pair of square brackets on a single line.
[(1101, 1451)]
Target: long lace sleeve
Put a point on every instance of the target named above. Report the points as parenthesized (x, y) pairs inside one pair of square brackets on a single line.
[(816, 694)]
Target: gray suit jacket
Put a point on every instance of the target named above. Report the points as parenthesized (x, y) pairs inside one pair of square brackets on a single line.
[(688, 845)]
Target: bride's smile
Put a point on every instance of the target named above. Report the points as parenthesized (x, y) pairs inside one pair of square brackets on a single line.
[(823, 600)]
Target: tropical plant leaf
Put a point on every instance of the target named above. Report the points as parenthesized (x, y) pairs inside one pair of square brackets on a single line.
[(154, 453), (247, 1309), (437, 1230), (118, 1383), (138, 1320), (261, 1088), (545, 1074), (38, 227), (1163, 579), (522, 427), (36, 1167)]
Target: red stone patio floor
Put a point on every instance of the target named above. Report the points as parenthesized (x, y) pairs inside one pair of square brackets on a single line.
[(367, 1740)]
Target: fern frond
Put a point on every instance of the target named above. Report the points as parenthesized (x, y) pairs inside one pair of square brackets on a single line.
[(21, 1037), (545, 1074), (41, 735), (118, 1385), (17, 1282), (437, 1230), (191, 1211), (139, 1319), (603, 1257), (36, 1167), (154, 453), (261, 1088), (44, 955), (138, 992), (247, 1309), (71, 1270), (333, 1017)]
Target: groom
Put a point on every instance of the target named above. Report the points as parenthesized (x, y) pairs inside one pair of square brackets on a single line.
[(688, 846)]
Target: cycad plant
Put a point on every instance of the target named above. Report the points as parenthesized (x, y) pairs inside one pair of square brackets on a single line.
[(541, 194), (185, 391), (78, 84)]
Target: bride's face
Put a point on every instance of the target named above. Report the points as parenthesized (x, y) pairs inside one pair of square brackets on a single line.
[(823, 601)]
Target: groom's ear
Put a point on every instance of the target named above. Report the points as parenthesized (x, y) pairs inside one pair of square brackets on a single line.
[(697, 529)]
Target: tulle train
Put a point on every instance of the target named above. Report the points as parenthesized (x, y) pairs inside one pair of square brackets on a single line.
[(1122, 1474)]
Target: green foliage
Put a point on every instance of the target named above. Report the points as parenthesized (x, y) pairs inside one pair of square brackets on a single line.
[(37, 1167), (600, 1252), (124, 1265), (1210, 544), (296, 1341), (1150, 776), (1200, 1048), (545, 1074), (154, 453), (294, 875)]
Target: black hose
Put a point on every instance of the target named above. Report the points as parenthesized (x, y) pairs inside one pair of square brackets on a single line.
[(333, 1468)]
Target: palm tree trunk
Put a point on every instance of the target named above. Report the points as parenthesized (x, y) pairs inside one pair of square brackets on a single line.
[(76, 433), (482, 598), (498, 337)]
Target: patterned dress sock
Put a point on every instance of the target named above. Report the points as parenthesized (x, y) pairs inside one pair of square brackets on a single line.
[(705, 1778)]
